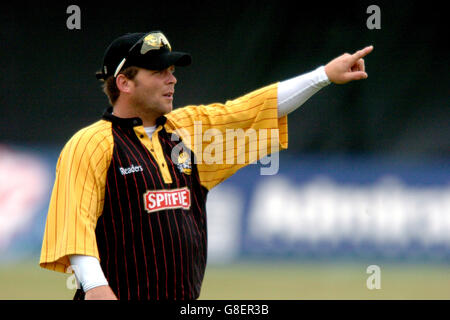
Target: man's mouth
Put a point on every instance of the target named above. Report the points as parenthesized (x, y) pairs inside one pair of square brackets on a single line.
[(168, 94)]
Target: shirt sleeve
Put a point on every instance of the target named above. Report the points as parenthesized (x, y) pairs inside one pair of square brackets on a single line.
[(77, 197), (294, 92), (227, 137)]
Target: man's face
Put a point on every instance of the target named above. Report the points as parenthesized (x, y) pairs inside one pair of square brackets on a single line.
[(153, 90)]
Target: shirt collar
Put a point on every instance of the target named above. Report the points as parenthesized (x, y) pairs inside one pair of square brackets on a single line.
[(129, 122)]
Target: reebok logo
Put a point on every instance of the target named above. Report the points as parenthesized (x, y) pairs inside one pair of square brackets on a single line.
[(131, 169)]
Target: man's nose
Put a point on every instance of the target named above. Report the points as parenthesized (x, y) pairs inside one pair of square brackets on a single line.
[(172, 79)]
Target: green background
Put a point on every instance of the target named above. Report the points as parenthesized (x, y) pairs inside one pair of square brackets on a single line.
[(264, 281)]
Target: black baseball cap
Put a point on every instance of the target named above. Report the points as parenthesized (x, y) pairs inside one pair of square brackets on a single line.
[(149, 50)]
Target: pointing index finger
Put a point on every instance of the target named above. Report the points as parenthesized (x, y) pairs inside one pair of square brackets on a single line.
[(362, 53)]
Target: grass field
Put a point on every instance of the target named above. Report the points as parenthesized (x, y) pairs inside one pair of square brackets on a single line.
[(262, 281)]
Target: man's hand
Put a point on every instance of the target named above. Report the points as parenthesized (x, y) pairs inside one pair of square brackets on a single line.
[(100, 293), (348, 67)]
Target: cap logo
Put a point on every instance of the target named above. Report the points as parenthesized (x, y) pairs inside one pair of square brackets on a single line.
[(154, 41)]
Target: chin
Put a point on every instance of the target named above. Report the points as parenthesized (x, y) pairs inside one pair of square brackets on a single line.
[(161, 110), (168, 109)]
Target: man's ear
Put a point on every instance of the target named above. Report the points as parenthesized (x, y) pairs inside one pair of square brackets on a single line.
[(123, 83)]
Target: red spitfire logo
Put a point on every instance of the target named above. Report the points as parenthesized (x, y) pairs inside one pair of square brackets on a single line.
[(167, 199)]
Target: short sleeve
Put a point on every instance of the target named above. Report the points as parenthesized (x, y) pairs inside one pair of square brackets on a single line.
[(77, 197)]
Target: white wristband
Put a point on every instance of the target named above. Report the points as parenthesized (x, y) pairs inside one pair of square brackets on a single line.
[(88, 271), (294, 92)]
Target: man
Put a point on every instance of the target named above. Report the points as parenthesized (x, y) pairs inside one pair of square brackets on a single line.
[(128, 211)]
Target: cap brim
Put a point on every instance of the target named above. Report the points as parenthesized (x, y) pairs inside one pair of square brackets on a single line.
[(163, 60), (179, 59)]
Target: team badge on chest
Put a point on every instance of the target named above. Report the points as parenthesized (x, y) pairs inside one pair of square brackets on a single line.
[(184, 163)]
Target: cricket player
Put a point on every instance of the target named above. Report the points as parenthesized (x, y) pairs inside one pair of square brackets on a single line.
[(128, 208)]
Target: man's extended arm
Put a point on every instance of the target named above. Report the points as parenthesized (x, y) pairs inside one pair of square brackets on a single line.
[(294, 92)]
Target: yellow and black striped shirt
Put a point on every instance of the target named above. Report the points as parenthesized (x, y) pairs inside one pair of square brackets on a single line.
[(138, 203)]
